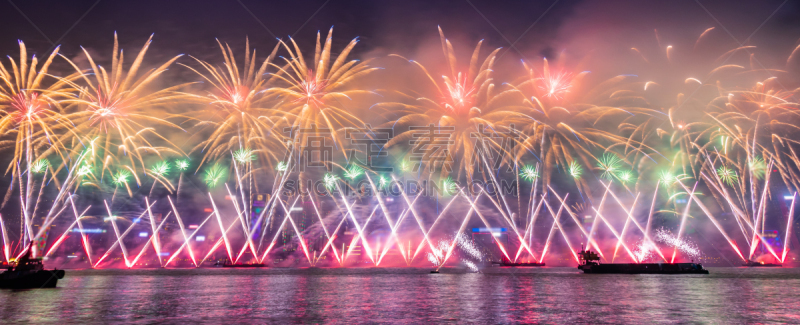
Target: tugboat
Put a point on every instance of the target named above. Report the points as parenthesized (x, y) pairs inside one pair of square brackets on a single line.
[(506, 263), (29, 273), (591, 264), (750, 263), (244, 265)]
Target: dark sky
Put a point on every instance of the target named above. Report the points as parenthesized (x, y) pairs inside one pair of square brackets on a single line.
[(542, 27)]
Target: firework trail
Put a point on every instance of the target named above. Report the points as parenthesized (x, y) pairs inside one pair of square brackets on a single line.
[(731, 130)]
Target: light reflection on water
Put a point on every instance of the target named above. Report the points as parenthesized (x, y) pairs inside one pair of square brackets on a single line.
[(727, 295)]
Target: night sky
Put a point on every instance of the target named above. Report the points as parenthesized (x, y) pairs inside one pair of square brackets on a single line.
[(536, 28)]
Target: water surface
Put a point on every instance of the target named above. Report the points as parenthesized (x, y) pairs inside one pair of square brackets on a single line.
[(499, 295)]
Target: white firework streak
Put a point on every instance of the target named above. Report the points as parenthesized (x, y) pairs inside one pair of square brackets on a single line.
[(464, 243), (689, 248), (442, 247), (469, 247), (644, 251), (471, 265), (432, 258)]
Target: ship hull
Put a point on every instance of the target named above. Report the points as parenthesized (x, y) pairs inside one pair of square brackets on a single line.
[(243, 265), (644, 268), (519, 264), (30, 280), (756, 264)]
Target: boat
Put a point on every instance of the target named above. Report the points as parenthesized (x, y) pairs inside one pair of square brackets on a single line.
[(244, 265), (750, 263), (590, 263), (226, 264), (29, 273), (506, 263)]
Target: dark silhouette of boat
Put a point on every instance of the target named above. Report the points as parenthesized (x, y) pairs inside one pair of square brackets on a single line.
[(750, 263), (506, 263), (29, 273), (244, 265), (590, 263)]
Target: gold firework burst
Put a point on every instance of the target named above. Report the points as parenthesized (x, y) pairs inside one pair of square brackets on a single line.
[(237, 106), (117, 109)]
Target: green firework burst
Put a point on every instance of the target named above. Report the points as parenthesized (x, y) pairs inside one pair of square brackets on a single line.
[(330, 181), (214, 175), (40, 166), (282, 166), (160, 169), (383, 182), (575, 170), (529, 173), (182, 164), (625, 176), (353, 172), (121, 177), (611, 164), (758, 167), (727, 175), (244, 155)]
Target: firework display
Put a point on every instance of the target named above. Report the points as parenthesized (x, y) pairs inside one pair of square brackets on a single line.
[(298, 159)]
